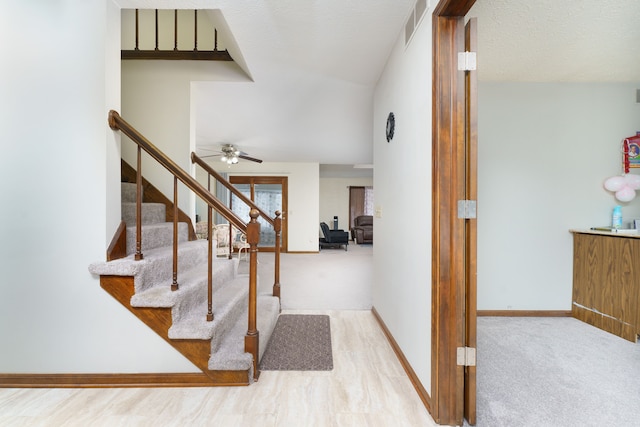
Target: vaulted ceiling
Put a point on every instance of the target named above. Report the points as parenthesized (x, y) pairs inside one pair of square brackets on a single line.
[(314, 66)]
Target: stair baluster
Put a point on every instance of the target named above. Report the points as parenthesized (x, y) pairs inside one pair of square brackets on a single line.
[(277, 227), (175, 30), (174, 284), (138, 255), (195, 30), (252, 339), (210, 260)]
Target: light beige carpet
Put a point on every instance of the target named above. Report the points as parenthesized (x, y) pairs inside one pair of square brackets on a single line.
[(555, 372), (332, 279)]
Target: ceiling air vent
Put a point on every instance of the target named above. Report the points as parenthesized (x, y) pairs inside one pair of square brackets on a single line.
[(414, 20)]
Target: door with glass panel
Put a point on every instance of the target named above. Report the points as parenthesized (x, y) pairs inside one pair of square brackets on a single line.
[(270, 194)]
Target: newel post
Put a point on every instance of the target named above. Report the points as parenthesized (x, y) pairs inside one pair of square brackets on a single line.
[(252, 339), (277, 226)]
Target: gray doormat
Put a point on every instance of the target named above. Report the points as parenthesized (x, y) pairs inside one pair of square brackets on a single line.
[(299, 342)]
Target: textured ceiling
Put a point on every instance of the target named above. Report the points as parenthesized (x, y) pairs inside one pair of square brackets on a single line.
[(558, 40)]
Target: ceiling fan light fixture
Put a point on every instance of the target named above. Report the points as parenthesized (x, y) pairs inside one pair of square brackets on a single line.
[(231, 155)]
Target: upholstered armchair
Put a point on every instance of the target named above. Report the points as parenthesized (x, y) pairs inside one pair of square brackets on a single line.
[(201, 229), (362, 230), (220, 235)]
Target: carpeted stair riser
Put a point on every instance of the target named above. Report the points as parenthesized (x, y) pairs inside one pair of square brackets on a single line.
[(230, 354), (193, 286), (152, 213), (128, 192), (268, 312), (156, 236)]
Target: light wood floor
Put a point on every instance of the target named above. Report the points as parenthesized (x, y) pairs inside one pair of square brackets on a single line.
[(367, 387)]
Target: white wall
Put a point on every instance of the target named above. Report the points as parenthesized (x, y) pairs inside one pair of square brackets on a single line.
[(303, 190), (334, 199), (402, 182), (544, 152), (57, 189), (157, 101)]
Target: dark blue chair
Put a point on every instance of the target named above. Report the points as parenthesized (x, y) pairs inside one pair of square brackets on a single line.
[(333, 238)]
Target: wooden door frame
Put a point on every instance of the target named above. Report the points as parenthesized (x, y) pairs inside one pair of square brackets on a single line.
[(471, 225), (352, 217), (448, 245)]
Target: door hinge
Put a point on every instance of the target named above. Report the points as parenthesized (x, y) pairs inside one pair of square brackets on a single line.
[(466, 356), (467, 209), (466, 61)]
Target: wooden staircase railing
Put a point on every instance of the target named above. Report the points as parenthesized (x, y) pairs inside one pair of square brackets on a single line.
[(175, 54), (276, 221), (251, 229)]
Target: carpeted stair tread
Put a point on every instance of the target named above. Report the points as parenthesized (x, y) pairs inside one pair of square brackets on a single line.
[(128, 266), (192, 284), (156, 267), (156, 236), (228, 302), (230, 355)]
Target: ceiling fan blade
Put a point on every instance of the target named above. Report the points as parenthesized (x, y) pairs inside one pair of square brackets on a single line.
[(252, 159)]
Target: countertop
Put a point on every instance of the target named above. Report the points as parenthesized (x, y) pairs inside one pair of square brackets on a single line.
[(623, 233)]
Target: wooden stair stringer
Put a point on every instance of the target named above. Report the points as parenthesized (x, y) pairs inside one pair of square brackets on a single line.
[(159, 320)]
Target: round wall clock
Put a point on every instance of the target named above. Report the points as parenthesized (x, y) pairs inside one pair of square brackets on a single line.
[(391, 126)]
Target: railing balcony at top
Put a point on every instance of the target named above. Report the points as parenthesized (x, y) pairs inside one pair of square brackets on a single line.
[(251, 229), (161, 30)]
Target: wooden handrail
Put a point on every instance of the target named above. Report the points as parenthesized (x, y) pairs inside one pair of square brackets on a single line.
[(118, 123), (197, 160)]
